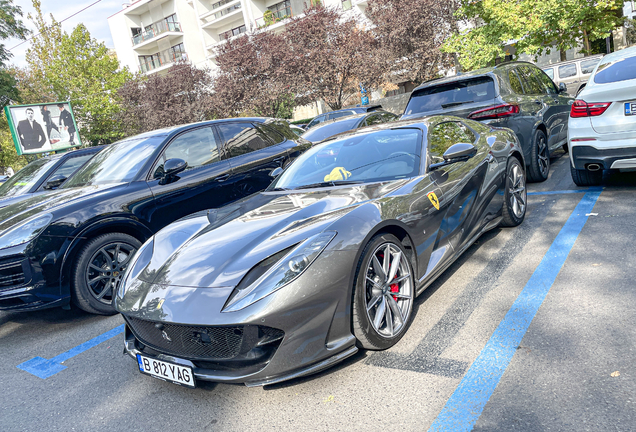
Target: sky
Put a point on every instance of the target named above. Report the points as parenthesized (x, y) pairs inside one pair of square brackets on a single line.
[(94, 18)]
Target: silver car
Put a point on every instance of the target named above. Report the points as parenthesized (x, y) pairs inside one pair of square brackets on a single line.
[(573, 73)]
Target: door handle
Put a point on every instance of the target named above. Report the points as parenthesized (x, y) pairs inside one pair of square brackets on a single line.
[(222, 178), (538, 102)]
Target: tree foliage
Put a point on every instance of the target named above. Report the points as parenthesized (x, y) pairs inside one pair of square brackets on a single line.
[(183, 95), (10, 26), (533, 26), (411, 33), (78, 68)]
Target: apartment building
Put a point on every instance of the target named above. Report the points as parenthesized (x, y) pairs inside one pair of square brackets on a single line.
[(151, 35)]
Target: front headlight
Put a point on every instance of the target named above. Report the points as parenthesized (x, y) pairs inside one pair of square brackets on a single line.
[(286, 270), (139, 261), (25, 232)]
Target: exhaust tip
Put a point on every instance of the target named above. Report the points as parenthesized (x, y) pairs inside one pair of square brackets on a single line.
[(593, 167)]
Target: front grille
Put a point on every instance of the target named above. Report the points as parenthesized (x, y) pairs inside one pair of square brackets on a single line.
[(192, 342), (11, 274)]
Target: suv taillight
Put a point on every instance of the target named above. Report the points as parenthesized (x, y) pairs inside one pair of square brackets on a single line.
[(494, 112), (580, 108)]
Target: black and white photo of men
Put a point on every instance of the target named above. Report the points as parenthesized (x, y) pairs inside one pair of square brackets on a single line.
[(48, 122), (66, 120), (30, 132)]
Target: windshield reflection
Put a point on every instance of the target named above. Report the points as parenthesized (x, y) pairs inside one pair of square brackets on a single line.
[(117, 163), (361, 158)]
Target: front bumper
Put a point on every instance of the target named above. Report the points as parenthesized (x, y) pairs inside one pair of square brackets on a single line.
[(300, 329), (608, 158)]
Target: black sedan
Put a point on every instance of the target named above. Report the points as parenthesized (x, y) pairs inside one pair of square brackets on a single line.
[(327, 260), (333, 127), (75, 243), (44, 174)]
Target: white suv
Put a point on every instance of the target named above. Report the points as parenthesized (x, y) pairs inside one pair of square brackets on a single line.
[(602, 123)]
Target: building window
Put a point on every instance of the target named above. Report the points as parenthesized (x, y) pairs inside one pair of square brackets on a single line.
[(281, 10), (220, 3), (234, 32), (346, 4)]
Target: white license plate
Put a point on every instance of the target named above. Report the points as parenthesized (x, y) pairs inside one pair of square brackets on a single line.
[(630, 108), (166, 371)]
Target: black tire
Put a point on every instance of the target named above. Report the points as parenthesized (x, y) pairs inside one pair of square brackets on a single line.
[(565, 148), (92, 264), (585, 177), (392, 325), (539, 166), (515, 195)]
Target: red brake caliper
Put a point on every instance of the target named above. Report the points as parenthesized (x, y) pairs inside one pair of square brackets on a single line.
[(395, 288)]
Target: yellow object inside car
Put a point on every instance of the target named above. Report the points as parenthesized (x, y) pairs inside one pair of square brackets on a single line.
[(338, 173)]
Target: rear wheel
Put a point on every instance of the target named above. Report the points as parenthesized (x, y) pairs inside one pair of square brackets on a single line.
[(99, 269), (539, 158), (585, 177), (383, 293), (515, 195)]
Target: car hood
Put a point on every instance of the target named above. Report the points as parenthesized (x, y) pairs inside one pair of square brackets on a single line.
[(35, 204), (16, 199), (218, 249)]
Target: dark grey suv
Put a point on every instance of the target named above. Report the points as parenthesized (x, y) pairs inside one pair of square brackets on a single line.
[(516, 95)]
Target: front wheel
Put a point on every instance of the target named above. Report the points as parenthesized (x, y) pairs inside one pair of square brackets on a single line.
[(383, 293), (99, 269), (515, 195)]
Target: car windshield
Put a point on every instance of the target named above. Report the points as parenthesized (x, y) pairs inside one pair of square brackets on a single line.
[(452, 94), (614, 71), (321, 132), (361, 158), (24, 179), (117, 163)]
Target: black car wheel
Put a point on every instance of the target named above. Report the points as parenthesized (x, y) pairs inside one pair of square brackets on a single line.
[(99, 269), (539, 158), (515, 195), (585, 177), (383, 293)]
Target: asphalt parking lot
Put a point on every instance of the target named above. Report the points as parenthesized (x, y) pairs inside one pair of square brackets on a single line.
[(532, 329)]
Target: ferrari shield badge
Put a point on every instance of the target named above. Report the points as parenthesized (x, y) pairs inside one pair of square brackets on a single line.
[(434, 200)]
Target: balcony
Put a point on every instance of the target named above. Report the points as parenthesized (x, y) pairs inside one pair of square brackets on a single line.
[(156, 29), (231, 33), (141, 7), (215, 8), (273, 16), (162, 60), (222, 16)]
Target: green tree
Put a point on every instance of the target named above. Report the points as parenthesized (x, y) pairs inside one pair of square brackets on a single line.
[(10, 26), (533, 26), (78, 68)]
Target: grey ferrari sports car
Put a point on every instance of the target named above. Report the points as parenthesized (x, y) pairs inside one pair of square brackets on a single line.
[(327, 260)]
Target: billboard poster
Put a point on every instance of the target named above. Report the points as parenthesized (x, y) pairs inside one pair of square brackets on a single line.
[(41, 128)]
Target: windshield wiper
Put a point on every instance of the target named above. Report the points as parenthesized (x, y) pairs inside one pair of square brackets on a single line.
[(329, 183), (452, 104)]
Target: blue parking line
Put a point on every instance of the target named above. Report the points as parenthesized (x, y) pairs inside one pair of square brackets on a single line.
[(567, 191), (466, 404), (43, 368)]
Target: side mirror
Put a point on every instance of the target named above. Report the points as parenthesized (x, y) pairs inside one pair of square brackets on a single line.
[(55, 182), (276, 172), (171, 168), (460, 151), (563, 88)]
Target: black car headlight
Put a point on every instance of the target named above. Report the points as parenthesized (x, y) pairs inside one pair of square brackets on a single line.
[(139, 261), (284, 271), (25, 232)]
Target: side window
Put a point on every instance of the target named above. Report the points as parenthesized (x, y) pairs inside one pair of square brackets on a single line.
[(71, 165), (546, 81), (587, 66), (442, 136), (317, 120), (549, 72), (274, 136), (515, 82), (387, 117), (242, 138), (373, 120), (567, 71), (531, 83), (197, 147)]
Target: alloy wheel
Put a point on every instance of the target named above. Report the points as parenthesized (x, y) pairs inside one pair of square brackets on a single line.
[(106, 268), (542, 156), (389, 290), (517, 192)]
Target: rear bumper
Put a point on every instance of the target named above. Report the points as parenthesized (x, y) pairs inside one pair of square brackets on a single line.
[(610, 158)]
